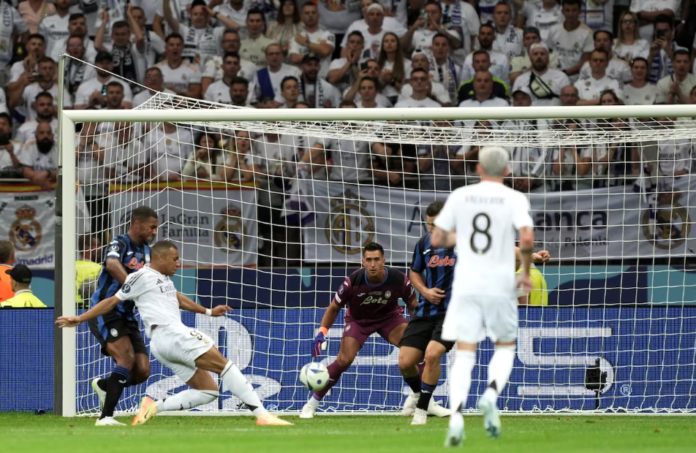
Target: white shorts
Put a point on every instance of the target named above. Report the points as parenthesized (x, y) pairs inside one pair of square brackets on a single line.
[(470, 318), (177, 347)]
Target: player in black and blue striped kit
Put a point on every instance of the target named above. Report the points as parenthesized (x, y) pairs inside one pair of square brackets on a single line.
[(118, 331), (432, 272)]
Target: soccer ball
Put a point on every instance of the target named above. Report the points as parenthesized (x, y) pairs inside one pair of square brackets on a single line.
[(314, 376)]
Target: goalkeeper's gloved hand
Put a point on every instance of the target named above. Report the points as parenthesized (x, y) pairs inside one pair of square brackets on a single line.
[(318, 341)]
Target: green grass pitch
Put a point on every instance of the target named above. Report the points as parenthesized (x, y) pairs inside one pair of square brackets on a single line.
[(28, 433)]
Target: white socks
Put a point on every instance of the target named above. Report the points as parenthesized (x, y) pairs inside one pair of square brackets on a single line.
[(313, 402), (188, 399), (238, 385), (460, 382), (499, 370)]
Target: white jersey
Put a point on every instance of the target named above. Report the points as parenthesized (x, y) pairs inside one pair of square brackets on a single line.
[(570, 45), (203, 43), (145, 96), (616, 69), (500, 66), (640, 96), (61, 46), (590, 89), (238, 16), (26, 131), (483, 216), (417, 103), (155, 296), (423, 38), (29, 96), (545, 88), (462, 18), (169, 151), (213, 70), (90, 86), (32, 157), (11, 24), (316, 37), (509, 42), (650, 6), (540, 18), (640, 48), (54, 28), (673, 156), (182, 76), (437, 90)]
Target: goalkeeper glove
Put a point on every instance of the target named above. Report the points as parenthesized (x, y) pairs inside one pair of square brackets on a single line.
[(318, 341)]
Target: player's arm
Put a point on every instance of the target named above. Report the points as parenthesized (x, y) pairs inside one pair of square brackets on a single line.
[(186, 303), (442, 238), (433, 295), (116, 270), (101, 308), (541, 256)]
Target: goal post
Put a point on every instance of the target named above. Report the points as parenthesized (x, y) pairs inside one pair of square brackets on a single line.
[(582, 356)]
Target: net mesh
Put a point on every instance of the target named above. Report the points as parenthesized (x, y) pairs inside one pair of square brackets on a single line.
[(270, 218)]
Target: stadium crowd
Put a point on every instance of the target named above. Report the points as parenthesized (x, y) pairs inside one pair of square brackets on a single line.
[(336, 54)]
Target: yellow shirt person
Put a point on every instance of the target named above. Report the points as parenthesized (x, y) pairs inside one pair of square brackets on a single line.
[(539, 294), (86, 279), (20, 276)]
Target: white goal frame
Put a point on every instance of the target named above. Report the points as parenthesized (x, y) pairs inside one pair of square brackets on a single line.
[(65, 339)]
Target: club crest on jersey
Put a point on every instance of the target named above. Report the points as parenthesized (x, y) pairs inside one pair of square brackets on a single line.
[(436, 261), (349, 225), (25, 231), (230, 233), (125, 288), (387, 294)]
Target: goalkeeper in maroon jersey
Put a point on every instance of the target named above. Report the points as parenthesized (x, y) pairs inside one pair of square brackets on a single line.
[(371, 297)]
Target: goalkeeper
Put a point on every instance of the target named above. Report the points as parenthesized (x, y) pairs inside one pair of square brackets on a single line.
[(539, 294)]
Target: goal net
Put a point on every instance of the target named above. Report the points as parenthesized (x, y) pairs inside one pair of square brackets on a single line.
[(270, 217)]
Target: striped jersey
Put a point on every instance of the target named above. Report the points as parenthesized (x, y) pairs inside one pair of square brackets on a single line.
[(438, 266), (132, 257)]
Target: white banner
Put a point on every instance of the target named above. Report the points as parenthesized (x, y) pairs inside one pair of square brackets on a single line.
[(214, 227), (610, 223), (27, 219)]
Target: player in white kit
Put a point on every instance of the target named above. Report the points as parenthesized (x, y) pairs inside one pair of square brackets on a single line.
[(189, 353), (480, 220)]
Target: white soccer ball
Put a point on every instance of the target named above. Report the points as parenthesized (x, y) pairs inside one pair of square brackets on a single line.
[(314, 376)]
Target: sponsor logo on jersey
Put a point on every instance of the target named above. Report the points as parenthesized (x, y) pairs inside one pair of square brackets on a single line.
[(672, 223), (230, 233), (25, 231), (349, 226), (436, 261), (376, 293), (374, 300)]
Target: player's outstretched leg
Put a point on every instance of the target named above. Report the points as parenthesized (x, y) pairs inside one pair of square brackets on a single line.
[(499, 370), (408, 358), (349, 350), (460, 383), (112, 387)]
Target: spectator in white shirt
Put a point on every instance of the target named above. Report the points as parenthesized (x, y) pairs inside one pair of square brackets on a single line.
[(571, 40), (617, 68), (169, 146), (77, 26), (76, 70), (508, 39), (396, 68), (45, 113), (500, 65), (527, 161), (541, 15), (649, 10), (590, 89), (639, 91), (544, 84), (180, 76), (235, 14), (420, 35), (12, 26), (482, 62), (269, 78), (240, 92), (92, 92), (373, 27), (23, 73), (128, 57), (629, 44), (313, 39), (219, 91), (253, 47), (676, 88), (420, 81), (662, 49), (45, 82), (368, 68), (213, 68), (154, 44), (39, 158), (344, 71), (483, 92), (315, 91), (437, 91), (443, 69), (9, 149), (367, 89), (290, 91), (154, 83), (55, 27), (522, 64)]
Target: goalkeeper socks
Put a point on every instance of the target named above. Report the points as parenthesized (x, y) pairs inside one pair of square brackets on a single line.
[(499, 370), (415, 383), (115, 384), (426, 393), (238, 385), (335, 372), (460, 380), (188, 399)]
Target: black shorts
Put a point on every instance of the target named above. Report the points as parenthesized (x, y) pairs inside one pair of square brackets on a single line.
[(111, 329), (423, 330)]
